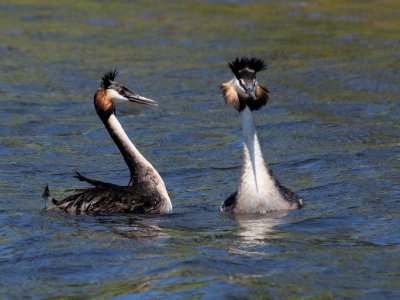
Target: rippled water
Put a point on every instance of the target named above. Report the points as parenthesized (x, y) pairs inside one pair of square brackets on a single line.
[(331, 133)]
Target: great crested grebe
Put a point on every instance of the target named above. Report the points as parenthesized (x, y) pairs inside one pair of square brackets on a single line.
[(259, 191), (145, 193)]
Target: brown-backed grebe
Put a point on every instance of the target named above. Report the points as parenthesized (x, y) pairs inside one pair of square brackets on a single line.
[(145, 193), (259, 191)]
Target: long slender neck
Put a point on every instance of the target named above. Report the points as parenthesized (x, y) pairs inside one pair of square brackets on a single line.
[(137, 163), (144, 177), (253, 159)]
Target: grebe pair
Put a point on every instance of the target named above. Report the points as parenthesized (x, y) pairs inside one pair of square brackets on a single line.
[(259, 191)]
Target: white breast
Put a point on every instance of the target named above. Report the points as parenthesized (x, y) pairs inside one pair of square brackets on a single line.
[(257, 190)]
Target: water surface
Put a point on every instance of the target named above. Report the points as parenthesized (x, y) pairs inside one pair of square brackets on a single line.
[(330, 133)]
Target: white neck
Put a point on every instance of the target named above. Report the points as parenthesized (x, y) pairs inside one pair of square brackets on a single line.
[(122, 140), (257, 190), (253, 156), (142, 172)]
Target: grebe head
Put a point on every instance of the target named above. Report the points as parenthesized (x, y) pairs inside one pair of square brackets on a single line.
[(119, 93), (111, 92), (243, 90)]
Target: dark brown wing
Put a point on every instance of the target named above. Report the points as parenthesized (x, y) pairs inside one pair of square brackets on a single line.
[(229, 202), (110, 200), (287, 193)]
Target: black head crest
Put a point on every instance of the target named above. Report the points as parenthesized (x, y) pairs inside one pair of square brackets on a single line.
[(108, 78), (253, 63)]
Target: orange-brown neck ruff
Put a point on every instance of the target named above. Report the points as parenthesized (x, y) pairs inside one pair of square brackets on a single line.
[(103, 104), (230, 95), (239, 102), (262, 97)]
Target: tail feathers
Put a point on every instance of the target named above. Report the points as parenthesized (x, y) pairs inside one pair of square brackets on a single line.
[(50, 202)]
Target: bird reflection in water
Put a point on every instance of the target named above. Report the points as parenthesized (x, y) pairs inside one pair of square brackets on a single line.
[(253, 229), (136, 228)]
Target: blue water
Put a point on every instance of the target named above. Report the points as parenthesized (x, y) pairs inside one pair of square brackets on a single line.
[(330, 133)]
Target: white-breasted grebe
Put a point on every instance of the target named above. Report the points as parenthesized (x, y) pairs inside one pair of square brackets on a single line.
[(145, 193), (259, 191)]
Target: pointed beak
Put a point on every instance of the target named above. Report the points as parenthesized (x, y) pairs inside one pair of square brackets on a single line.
[(249, 87), (131, 96), (140, 99), (250, 90)]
